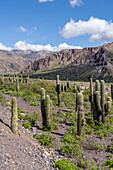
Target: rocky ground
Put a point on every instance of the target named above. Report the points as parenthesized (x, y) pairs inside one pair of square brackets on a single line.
[(24, 152)]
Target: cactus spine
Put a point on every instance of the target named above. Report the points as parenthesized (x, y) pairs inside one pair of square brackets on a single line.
[(47, 110), (42, 92), (14, 117), (81, 120)]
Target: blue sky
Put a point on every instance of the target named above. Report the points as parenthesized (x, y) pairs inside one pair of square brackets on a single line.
[(55, 24)]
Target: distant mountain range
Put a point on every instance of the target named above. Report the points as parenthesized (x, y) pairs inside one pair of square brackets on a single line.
[(14, 61), (72, 64), (75, 64)]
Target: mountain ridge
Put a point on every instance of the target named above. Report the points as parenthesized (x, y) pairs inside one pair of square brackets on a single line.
[(96, 62)]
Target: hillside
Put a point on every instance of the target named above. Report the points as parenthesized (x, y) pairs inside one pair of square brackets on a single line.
[(75, 64), (33, 55), (11, 63), (17, 60)]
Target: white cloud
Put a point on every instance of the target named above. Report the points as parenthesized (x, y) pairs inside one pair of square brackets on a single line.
[(98, 29), (23, 45), (22, 29), (45, 0), (3, 47), (76, 2)]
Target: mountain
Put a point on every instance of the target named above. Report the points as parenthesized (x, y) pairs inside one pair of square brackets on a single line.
[(33, 55), (11, 63), (75, 64), (16, 60)]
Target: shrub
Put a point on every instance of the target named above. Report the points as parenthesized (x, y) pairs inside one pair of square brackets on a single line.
[(108, 163), (46, 139), (65, 164), (27, 125), (34, 104)]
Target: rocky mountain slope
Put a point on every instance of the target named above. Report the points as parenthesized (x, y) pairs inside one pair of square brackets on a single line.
[(76, 64), (11, 63), (33, 55), (16, 60)]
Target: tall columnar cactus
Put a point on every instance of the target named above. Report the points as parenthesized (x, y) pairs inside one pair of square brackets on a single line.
[(81, 120), (14, 78), (75, 88), (21, 79), (97, 86), (58, 90), (9, 77), (65, 88), (103, 100), (27, 81), (42, 92), (97, 115), (17, 84), (101, 105), (112, 91), (62, 87), (2, 80), (68, 85), (91, 94), (51, 106), (57, 80), (47, 110), (14, 116)]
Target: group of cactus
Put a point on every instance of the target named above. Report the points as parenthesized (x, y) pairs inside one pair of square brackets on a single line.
[(100, 102), (46, 109)]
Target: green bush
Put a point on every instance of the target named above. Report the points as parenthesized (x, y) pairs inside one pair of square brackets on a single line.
[(65, 164), (27, 125), (72, 144), (46, 139), (108, 163), (34, 104)]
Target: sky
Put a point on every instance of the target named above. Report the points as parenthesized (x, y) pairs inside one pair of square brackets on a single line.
[(55, 24)]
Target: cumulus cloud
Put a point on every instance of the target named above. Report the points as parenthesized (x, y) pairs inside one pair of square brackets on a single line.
[(76, 2), (23, 45), (98, 29), (45, 0), (3, 47), (22, 29)]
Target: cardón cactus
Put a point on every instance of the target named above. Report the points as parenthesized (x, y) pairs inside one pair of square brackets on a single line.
[(42, 92), (58, 90), (47, 110), (101, 104), (17, 84), (14, 116), (91, 95), (81, 120)]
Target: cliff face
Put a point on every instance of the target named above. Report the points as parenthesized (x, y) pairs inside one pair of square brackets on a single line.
[(75, 64)]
